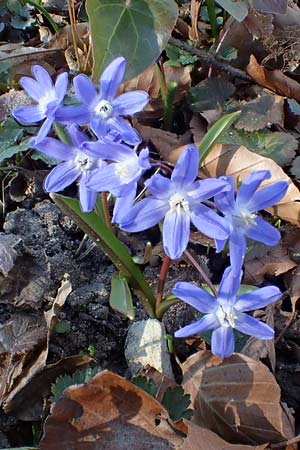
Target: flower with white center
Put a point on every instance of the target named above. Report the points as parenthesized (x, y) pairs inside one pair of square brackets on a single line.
[(103, 110), (178, 202), (76, 166), (48, 96), (226, 312), (240, 214)]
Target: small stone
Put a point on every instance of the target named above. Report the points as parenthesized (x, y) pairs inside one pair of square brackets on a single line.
[(146, 344)]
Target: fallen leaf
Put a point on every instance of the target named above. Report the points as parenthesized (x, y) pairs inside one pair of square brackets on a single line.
[(7, 252), (271, 6), (263, 111), (273, 79), (200, 438), (108, 413), (237, 398)]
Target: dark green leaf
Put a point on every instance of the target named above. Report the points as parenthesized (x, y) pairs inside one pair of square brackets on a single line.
[(64, 381), (135, 29), (97, 230), (228, 53), (120, 296), (258, 113), (236, 8), (148, 386), (178, 57), (176, 403), (278, 146), (10, 139), (209, 94)]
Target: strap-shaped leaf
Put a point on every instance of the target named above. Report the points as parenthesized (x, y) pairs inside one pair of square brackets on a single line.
[(96, 229), (120, 296)]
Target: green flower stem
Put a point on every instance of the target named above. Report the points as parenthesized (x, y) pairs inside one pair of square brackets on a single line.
[(201, 272), (165, 305), (211, 11), (162, 280), (168, 105)]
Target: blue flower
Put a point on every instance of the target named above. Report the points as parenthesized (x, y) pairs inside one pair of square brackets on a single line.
[(121, 175), (178, 201), (240, 214), (103, 110), (49, 98), (226, 312), (77, 165)]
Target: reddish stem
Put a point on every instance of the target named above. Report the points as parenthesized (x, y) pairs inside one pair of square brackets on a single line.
[(162, 280)]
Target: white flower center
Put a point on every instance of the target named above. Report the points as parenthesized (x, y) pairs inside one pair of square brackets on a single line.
[(243, 218), (103, 109), (226, 316), (177, 201), (46, 99), (83, 162)]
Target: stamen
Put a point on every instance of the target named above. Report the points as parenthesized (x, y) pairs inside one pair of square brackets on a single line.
[(103, 109), (83, 162), (177, 201), (226, 316)]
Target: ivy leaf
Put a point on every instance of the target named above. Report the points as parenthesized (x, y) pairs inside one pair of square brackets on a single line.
[(209, 94), (176, 403), (64, 381), (11, 143), (148, 386), (178, 57), (277, 145), (258, 113), (135, 29), (236, 8)]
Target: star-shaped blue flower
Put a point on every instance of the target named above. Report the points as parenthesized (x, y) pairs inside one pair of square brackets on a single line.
[(178, 202), (240, 214), (226, 312)]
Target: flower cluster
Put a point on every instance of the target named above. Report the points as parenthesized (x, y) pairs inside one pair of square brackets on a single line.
[(101, 156)]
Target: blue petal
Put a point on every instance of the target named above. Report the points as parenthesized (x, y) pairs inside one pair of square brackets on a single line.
[(77, 136), (99, 127), (196, 297), (252, 327), (72, 114), (225, 200), (130, 103), (176, 233), (250, 185), (268, 196), (44, 130), (111, 78), (208, 322), (61, 176), (128, 133), (144, 159), (229, 286), (123, 205), (32, 88), (209, 223), (145, 214), (104, 179), (159, 186), (61, 86), (43, 78), (222, 342), (87, 197), (205, 189), (259, 298), (84, 89), (55, 149), (186, 168), (220, 245), (28, 115), (109, 150), (237, 250), (263, 232)]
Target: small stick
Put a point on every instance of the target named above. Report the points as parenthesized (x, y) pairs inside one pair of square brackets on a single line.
[(201, 271)]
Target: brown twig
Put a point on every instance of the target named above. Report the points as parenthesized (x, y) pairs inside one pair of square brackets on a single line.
[(210, 59), (201, 272), (286, 443), (162, 280)]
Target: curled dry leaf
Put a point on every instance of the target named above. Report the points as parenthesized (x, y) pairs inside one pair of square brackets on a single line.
[(200, 438), (108, 413), (237, 398), (273, 79)]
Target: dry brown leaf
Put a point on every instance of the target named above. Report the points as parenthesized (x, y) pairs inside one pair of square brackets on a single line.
[(199, 438), (108, 413), (240, 162), (274, 262), (292, 282), (237, 398), (25, 346), (273, 79)]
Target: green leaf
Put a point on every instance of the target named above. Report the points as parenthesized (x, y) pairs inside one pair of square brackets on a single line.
[(176, 403), (64, 381), (295, 170), (178, 57), (147, 386), (258, 113), (236, 8), (212, 136), (228, 54), (277, 145), (209, 94), (11, 135), (120, 296), (135, 29), (96, 229)]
